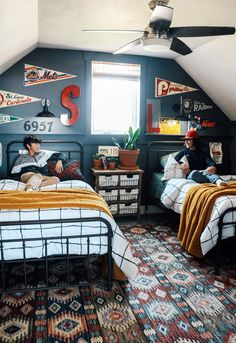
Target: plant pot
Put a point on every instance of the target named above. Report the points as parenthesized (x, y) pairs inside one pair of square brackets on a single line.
[(112, 165), (97, 164), (128, 158)]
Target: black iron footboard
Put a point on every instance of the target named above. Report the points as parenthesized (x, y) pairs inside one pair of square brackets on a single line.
[(46, 259), (222, 223)]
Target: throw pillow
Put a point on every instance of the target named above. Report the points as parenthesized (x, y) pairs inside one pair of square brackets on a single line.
[(71, 170), (164, 158), (173, 169)]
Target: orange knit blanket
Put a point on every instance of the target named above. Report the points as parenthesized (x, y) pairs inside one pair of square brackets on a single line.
[(196, 212), (60, 198)]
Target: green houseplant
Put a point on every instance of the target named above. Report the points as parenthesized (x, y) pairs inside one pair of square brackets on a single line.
[(128, 152), (112, 161), (97, 161)]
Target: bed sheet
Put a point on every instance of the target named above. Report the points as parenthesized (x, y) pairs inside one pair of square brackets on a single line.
[(173, 198), (121, 251)]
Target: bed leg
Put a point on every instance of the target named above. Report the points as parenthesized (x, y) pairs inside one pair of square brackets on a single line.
[(109, 258), (218, 249)]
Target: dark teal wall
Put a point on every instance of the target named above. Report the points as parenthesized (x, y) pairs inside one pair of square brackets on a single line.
[(79, 63)]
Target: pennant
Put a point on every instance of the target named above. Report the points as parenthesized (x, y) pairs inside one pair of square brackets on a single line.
[(165, 88), (189, 106), (5, 118), (35, 75), (8, 99)]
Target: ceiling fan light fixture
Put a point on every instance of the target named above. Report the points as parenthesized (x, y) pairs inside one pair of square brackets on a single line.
[(162, 14), (156, 44)]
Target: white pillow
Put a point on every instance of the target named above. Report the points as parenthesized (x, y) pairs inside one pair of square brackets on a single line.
[(173, 169)]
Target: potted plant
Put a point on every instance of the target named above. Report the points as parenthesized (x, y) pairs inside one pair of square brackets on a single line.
[(97, 161), (128, 152), (112, 161)]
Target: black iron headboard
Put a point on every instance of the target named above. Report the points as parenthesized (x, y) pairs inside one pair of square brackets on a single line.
[(155, 150), (72, 149)]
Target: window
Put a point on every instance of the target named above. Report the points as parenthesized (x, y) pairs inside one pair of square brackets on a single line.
[(115, 97)]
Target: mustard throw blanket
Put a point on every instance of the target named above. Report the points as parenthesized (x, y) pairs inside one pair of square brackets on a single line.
[(62, 198), (196, 212)]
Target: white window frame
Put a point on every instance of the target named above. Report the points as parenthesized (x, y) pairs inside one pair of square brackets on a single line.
[(115, 73)]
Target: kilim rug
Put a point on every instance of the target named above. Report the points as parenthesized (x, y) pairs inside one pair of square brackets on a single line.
[(174, 299)]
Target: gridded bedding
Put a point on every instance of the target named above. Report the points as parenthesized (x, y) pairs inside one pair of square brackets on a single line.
[(173, 198), (57, 246)]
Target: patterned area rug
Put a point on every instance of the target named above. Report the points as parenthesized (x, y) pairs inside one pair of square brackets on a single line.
[(174, 299)]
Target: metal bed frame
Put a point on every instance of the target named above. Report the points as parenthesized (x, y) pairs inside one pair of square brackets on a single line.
[(160, 149), (47, 258)]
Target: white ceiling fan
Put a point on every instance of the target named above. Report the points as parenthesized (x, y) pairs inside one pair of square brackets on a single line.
[(159, 36)]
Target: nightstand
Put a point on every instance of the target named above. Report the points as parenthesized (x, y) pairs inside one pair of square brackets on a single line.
[(121, 189)]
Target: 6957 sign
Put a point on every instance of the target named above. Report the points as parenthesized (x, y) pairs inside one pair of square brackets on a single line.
[(43, 125), (39, 126)]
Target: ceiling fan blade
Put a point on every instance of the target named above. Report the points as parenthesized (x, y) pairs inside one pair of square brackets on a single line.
[(128, 46), (201, 31), (115, 31), (180, 47)]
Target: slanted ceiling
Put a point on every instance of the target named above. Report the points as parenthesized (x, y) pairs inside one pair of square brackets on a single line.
[(25, 24)]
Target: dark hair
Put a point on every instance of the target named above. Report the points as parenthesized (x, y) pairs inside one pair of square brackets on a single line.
[(29, 140), (197, 143)]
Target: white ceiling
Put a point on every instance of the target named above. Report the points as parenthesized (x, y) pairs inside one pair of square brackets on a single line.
[(18, 30), (59, 24)]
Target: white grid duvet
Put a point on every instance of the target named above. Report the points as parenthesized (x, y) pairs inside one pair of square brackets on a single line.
[(121, 251), (173, 198)]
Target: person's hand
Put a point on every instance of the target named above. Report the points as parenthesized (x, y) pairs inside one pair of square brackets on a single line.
[(59, 167), (185, 168), (211, 170)]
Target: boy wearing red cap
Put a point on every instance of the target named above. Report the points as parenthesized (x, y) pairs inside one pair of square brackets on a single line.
[(201, 168)]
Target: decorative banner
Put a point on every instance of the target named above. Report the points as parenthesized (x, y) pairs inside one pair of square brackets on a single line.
[(165, 88), (216, 152), (190, 106), (8, 99), (4, 118), (35, 75), (169, 126)]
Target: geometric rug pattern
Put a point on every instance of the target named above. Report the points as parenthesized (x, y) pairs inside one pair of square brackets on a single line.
[(175, 298)]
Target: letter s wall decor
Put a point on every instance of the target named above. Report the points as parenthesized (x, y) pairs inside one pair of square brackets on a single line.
[(71, 91)]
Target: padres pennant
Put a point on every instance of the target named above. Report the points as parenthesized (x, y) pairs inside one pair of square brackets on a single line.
[(165, 88), (35, 75), (8, 99)]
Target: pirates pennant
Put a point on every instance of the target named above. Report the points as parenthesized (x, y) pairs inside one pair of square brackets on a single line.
[(8, 99), (191, 106), (35, 75), (5, 118), (166, 88)]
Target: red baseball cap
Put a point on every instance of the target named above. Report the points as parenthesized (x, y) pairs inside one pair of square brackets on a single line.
[(191, 134)]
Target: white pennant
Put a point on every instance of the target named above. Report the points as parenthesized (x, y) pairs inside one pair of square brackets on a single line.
[(35, 75), (165, 88), (8, 99)]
